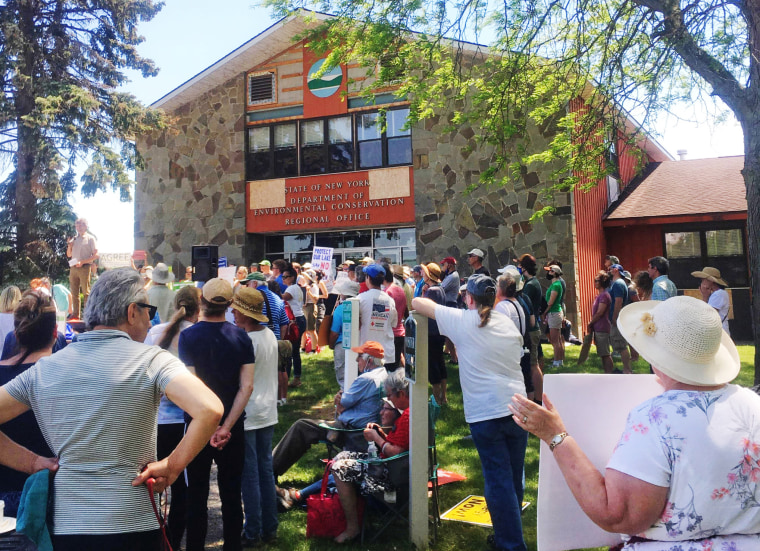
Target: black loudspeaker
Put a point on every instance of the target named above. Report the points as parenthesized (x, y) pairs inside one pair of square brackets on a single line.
[(205, 262)]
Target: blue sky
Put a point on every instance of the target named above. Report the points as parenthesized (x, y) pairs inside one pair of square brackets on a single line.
[(189, 35)]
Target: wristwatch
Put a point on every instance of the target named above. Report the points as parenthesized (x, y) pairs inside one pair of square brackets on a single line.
[(557, 440)]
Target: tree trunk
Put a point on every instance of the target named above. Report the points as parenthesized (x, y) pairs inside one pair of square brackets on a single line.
[(26, 203), (751, 174), (27, 137)]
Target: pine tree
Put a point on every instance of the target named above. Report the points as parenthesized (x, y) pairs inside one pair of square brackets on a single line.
[(61, 65)]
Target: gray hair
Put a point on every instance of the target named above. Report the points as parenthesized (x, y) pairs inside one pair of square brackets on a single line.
[(111, 295), (397, 382), (376, 362), (508, 284)]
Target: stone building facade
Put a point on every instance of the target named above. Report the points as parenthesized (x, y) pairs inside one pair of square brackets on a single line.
[(193, 188), (204, 181)]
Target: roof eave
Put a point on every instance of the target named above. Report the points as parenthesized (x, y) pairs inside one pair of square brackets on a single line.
[(183, 93)]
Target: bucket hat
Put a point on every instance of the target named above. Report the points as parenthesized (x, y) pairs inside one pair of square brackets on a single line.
[(161, 274), (682, 337), (346, 287), (250, 302)]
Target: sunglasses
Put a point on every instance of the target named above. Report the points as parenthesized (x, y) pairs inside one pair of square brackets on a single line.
[(151, 309)]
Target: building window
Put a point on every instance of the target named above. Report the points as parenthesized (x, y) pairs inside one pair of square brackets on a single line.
[(340, 153), (313, 152), (613, 161), (613, 190), (272, 152), (691, 249), (285, 152), (328, 145), (369, 139), (682, 245), (399, 140), (261, 88), (260, 160)]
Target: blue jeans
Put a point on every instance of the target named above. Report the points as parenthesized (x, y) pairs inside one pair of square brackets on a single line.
[(301, 322), (259, 496), (315, 487), (501, 446)]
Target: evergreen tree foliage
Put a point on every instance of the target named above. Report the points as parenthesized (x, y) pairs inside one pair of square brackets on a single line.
[(45, 252), (61, 64)]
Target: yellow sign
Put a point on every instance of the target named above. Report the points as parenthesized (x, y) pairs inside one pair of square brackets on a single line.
[(472, 510)]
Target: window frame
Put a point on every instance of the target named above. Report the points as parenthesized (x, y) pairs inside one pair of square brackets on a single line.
[(329, 167), (704, 260)]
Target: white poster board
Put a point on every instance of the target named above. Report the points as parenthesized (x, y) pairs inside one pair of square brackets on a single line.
[(227, 273), (594, 409), (321, 258), (109, 261)]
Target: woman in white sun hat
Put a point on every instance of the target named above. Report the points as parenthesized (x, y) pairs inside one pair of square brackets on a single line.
[(686, 470)]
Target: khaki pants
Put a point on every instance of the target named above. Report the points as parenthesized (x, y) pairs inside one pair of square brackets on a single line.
[(79, 281)]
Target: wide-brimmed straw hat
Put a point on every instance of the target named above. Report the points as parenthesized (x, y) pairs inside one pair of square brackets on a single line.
[(713, 274), (683, 337), (161, 274), (250, 302)]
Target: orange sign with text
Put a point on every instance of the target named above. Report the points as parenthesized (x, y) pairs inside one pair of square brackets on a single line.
[(343, 200), (323, 96)]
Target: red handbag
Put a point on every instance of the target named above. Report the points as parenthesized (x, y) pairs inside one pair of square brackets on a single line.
[(324, 513), (294, 334)]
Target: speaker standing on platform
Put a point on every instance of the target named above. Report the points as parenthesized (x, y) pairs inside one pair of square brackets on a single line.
[(83, 251)]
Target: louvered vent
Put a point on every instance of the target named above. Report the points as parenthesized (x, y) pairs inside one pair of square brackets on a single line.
[(261, 88)]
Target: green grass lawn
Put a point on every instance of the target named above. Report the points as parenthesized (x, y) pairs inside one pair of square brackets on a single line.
[(455, 453)]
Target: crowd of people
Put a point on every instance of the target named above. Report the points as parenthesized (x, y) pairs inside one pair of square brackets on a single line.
[(164, 383), (616, 288)]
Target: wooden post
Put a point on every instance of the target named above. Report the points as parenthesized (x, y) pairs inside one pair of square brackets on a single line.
[(418, 439), (350, 339)]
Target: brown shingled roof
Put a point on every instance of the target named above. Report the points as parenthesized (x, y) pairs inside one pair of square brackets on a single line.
[(676, 188)]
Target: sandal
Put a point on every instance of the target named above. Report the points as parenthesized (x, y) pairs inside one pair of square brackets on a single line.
[(295, 383)]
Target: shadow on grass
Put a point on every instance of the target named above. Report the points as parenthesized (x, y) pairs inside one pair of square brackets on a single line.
[(456, 452)]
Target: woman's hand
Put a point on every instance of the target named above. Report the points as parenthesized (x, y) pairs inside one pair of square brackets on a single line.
[(160, 471), (41, 463), (543, 421), (371, 434)]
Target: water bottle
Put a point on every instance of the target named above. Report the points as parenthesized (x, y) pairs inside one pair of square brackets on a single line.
[(372, 451)]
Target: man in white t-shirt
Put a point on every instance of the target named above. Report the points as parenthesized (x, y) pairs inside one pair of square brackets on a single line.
[(713, 289), (377, 313), (260, 419)]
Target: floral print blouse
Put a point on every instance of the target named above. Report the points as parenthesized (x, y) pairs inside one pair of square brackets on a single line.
[(704, 447)]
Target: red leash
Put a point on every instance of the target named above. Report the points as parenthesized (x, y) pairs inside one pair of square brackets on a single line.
[(161, 522)]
